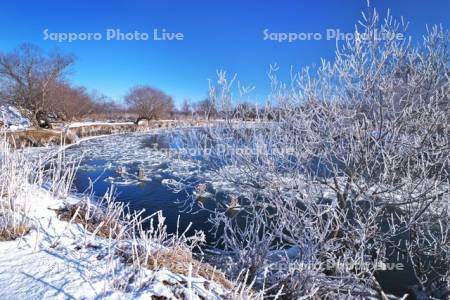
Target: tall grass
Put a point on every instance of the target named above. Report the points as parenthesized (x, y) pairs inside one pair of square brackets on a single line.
[(16, 179), (20, 177)]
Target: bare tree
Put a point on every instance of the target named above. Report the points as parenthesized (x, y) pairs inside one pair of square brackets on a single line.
[(186, 108), (30, 73), (206, 109), (148, 102), (107, 108), (69, 103)]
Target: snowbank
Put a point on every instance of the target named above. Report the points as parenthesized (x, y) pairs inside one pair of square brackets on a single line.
[(12, 118)]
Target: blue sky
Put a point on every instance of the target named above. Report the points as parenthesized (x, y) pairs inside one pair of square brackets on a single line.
[(217, 35)]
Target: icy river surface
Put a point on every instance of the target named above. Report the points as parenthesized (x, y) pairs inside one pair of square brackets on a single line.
[(142, 168)]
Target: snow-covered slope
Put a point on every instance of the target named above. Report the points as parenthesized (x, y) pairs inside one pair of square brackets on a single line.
[(12, 118)]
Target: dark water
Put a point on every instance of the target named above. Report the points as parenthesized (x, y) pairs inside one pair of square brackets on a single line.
[(104, 158)]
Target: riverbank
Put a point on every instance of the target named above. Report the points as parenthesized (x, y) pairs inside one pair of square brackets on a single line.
[(61, 260), (74, 248), (71, 133)]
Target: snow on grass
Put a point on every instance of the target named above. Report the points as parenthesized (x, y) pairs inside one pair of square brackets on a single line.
[(60, 260)]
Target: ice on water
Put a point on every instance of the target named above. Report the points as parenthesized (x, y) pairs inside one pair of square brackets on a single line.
[(159, 156)]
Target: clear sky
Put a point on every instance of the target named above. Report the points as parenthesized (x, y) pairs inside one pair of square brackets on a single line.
[(217, 35)]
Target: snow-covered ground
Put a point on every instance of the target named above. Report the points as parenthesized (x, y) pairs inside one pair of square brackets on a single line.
[(58, 260), (12, 118)]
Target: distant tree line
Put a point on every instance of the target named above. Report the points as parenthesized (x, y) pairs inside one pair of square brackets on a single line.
[(37, 82)]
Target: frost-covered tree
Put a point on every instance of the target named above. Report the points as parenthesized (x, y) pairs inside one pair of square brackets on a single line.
[(354, 167)]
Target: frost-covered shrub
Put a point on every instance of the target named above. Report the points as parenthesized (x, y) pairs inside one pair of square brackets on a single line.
[(15, 170), (348, 162)]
